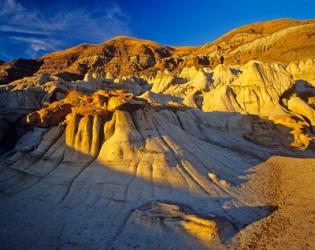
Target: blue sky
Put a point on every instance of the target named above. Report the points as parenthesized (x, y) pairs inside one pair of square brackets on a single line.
[(31, 28)]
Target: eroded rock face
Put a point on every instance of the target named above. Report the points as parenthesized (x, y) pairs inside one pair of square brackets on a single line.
[(159, 216), (257, 88), (18, 69), (298, 106), (156, 161), (281, 40)]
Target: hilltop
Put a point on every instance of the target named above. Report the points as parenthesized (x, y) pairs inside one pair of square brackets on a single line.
[(280, 41)]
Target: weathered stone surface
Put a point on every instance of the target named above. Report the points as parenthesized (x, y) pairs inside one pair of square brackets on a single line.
[(280, 40), (18, 69), (155, 149)]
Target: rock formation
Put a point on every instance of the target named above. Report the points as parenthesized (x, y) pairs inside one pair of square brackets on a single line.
[(18, 69), (276, 41), (134, 145)]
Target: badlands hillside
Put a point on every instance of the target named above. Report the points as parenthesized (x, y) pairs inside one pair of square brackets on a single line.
[(130, 144)]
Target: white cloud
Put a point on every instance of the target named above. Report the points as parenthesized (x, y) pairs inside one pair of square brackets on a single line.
[(42, 32), (9, 29), (9, 7), (37, 45)]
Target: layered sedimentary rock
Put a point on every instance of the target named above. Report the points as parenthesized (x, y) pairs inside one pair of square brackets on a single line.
[(152, 156), (280, 40), (18, 69)]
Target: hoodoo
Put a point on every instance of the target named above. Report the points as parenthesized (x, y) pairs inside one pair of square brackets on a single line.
[(130, 144)]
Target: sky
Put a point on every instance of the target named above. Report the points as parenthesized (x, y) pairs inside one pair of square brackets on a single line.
[(32, 28)]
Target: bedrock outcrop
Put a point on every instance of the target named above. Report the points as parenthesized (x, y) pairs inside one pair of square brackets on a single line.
[(282, 40)]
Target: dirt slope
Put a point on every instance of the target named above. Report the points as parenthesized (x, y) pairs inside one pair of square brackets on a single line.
[(272, 41)]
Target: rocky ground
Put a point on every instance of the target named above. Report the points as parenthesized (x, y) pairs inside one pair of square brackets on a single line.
[(152, 157)]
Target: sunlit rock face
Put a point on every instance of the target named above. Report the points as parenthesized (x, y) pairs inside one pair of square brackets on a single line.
[(280, 40), (152, 156)]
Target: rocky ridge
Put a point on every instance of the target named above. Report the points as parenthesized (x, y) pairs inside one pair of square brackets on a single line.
[(277, 41)]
